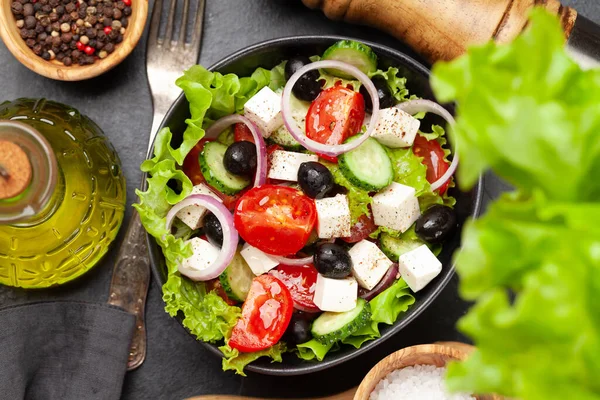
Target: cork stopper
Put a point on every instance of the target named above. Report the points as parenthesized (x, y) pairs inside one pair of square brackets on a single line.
[(15, 170)]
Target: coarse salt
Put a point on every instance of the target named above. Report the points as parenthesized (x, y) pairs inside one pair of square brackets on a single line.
[(420, 382)]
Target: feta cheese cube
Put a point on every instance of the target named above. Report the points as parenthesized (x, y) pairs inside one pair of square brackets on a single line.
[(418, 267), (285, 164), (264, 109), (333, 217), (258, 261), (204, 254), (396, 207), (369, 263), (192, 215), (335, 295), (396, 128)]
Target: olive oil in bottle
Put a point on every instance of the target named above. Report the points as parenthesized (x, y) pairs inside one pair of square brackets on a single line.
[(62, 193)]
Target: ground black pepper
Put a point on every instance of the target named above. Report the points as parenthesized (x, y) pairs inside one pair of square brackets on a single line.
[(72, 31)]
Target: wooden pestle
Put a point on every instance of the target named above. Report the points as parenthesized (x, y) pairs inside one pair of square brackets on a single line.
[(443, 29)]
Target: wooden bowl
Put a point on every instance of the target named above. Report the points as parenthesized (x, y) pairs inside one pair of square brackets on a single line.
[(437, 354), (53, 69)]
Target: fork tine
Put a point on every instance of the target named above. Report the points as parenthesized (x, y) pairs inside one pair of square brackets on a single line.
[(184, 24), (197, 36), (155, 23), (170, 21)]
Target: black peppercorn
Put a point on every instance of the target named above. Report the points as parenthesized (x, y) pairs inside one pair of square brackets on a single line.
[(124, 22), (70, 7), (60, 9), (121, 5), (56, 41), (39, 28), (92, 43), (28, 9), (101, 35), (73, 45), (55, 26), (48, 41), (64, 47), (117, 14), (66, 37), (127, 11), (30, 43), (67, 61), (46, 56), (47, 9), (60, 56), (54, 3), (91, 33), (107, 22), (30, 22), (65, 18), (119, 39), (37, 49), (76, 38), (37, 7), (16, 8), (42, 37), (75, 54), (109, 48)]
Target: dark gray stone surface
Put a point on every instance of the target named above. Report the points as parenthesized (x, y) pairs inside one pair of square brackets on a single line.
[(177, 366)]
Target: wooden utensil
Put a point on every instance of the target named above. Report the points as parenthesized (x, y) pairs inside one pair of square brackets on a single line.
[(56, 70), (443, 29), (437, 354)]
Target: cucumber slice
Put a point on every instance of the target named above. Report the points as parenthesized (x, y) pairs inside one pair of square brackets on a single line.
[(211, 165), (284, 138), (368, 166), (226, 137), (237, 278), (332, 327), (354, 53), (394, 247)]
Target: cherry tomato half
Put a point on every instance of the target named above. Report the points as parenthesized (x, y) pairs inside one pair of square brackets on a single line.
[(266, 314), (275, 219), (301, 281), (433, 158), (241, 132), (335, 115), (362, 229)]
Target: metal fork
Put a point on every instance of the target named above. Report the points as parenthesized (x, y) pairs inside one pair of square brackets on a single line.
[(167, 57)]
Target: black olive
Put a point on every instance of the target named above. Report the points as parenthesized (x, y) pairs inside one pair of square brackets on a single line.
[(213, 229), (298, 331), (315, 179), (436, 224), (386, 99), (333, 261), (308, 87), (240, 158)]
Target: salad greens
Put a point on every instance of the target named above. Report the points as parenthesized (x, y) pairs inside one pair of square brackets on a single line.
[(532, 263), (386, 307), (206, 315)]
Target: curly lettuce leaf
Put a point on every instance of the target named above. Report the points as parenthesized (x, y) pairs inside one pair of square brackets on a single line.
[(358, 199), (235, 361), (385, 308), (532, 263), (397, 84), (211, 95)]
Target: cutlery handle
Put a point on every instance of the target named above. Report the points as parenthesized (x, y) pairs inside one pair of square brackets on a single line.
[(443, 29), (129, 285)]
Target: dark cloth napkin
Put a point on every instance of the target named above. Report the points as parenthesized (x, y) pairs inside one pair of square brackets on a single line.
[(63, 350)]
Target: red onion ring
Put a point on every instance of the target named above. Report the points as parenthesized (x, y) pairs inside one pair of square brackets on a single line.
[(294, 261), (296, 132), (416, 106), (230, 235), (261, 148), (388, 280)]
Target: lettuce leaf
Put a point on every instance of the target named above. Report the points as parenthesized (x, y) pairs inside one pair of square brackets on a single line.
[(532, 263), (385, 308), (358, 199), (211, 95), (235, 361), (397, 84)]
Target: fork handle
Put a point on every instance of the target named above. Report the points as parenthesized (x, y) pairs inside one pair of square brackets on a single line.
[(129, 285)]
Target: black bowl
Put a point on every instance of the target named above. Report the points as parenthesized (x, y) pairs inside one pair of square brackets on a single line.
[(267, 55)]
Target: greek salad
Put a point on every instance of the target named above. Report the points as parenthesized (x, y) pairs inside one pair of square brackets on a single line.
[(304, 207)]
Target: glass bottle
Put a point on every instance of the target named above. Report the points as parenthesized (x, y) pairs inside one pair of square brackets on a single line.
[(62, 193)]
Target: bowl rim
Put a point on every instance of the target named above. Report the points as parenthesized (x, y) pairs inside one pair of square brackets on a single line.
[(54, 70), (415, 311)]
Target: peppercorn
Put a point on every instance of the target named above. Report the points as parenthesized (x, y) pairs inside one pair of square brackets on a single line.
[(30, 43), (28, 9), (54, 3), (30, 22), (56, 41), (106, 31), (107, 22), (20, 23), (37, 49), (46, 56), (42, 37), (121, 5), (89, 50), (55, 26), (70, 7), (31, 34), (37, 7), (64, 47), (117, 14), (60, 56), (119, 38), (127, 11), (75, 38), (81, 45), (92, 19), (109, 48), (60, 9), (16, 8), (127, 3), (67, 61), (75, 54), (65, 18), (47, 9)]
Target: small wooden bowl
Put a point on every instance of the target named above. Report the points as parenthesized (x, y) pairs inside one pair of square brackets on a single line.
[(53, 69), (437, 354)]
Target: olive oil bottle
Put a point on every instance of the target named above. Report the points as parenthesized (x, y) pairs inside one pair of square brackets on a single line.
[(62, 193)]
